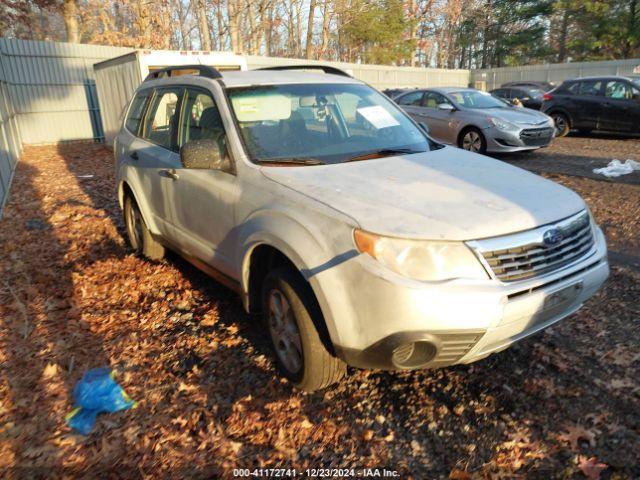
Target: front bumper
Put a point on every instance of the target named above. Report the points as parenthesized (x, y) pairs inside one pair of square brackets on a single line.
[(521, 140), (452, 322)]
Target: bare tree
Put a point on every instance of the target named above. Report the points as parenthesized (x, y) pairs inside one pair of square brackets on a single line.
[(203, 25), (70, 15), (309, 44)]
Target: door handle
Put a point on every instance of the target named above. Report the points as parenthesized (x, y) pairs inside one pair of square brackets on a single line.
[(169, 173), (134, 155)]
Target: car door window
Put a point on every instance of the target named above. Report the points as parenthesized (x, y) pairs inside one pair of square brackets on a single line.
[(590, 87), (433, 99), (136, 112), (501, 93), (412, 99), (618, 90), (201, 120), (160, 120)]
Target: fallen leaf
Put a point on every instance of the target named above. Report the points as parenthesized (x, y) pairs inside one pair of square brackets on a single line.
[(590, 467)]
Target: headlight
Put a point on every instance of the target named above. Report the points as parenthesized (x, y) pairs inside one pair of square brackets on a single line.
[(421, 260), (502, 124)]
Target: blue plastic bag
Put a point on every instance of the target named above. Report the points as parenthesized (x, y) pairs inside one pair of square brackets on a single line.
[(95, 393)]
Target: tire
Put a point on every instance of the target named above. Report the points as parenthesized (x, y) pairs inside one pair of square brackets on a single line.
[(138, 235), (304, 361), (472, 140), (562, 123)]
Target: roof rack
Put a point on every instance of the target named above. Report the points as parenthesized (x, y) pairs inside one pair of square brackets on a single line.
[(324, 68), (203, 70)]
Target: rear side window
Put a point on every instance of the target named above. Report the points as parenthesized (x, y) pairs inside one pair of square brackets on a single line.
[(590, 87), (411, 99), (160, 121), (136, 112)]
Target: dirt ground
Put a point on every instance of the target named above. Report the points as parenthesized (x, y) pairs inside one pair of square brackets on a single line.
[(562, 404)]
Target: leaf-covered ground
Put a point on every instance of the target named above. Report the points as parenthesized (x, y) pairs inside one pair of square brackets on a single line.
[(563, 404)]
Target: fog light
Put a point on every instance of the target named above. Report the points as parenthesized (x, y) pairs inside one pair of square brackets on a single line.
[(414, 354)]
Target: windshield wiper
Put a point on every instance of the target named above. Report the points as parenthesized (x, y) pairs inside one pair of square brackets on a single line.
[(385, 152), (292, 160)]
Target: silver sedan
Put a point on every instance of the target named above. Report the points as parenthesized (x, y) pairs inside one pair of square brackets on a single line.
[(476, 121)]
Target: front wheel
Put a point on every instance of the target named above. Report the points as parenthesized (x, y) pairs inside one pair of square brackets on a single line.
[(563, 126), (293, 317), (473, 140)]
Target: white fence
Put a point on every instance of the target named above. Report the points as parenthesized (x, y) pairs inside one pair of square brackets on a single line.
[(554, 72), (379, 76)]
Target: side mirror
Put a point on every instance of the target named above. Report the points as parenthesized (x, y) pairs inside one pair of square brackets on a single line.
[(204, 154), (447, 107), (425, 128)]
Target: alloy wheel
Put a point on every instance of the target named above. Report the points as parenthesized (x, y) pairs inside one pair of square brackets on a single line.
[(284, 331), (134, 226), (472, 142)]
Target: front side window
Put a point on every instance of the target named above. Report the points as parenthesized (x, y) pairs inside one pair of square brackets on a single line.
[(201, 120), (327, 123), (476, 100), (412, 99), (160, 121), (433, 99), (136, 111), (619, 90)]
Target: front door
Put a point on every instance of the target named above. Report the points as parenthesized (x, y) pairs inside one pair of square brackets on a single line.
[(621, 109), (203, 201), (412, 104), (439, 120)]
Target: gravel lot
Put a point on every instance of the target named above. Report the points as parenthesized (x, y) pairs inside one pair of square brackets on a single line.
[(579, 154), (563, 404)]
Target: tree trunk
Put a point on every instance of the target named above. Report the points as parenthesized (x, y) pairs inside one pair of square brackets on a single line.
[(309, 44), (564, 26), (234, 26), (70, 14), (221, 34), (326, 21), (203, 26)]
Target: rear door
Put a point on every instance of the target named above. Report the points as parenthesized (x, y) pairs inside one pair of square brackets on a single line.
[(157, 152), (588, 104), (412, 104), (621, 107)]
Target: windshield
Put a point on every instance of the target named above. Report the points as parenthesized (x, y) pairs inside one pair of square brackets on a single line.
[(326, 123), (476, 99)]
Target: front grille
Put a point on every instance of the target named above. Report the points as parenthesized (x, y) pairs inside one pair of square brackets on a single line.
[(519, 262), (536, 136)]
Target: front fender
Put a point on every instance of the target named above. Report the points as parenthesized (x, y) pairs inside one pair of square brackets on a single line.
[(313, 250)]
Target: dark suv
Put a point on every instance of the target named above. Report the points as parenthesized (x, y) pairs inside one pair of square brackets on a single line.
[(595, 103)]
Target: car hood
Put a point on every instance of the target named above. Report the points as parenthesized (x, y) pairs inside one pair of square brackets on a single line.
[(447, 194), (519, 116)]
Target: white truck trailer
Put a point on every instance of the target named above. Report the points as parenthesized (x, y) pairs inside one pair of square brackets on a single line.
[(117, 78)]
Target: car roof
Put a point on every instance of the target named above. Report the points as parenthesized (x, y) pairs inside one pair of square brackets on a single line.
[(246, 78), (447, 90), (599, 77)]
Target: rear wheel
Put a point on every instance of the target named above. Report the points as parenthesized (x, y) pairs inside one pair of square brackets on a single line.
[(473, 140), (138, 234), (291, 314), (562, 123)]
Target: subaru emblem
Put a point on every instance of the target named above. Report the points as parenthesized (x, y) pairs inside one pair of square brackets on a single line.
[(552, 237)]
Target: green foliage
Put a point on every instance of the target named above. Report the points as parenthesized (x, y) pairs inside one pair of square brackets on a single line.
[(378, 30)]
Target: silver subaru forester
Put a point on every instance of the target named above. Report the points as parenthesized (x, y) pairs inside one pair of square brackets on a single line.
[(361, 241)]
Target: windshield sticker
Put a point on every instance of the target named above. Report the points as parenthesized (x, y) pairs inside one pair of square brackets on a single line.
[(378, 117)]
